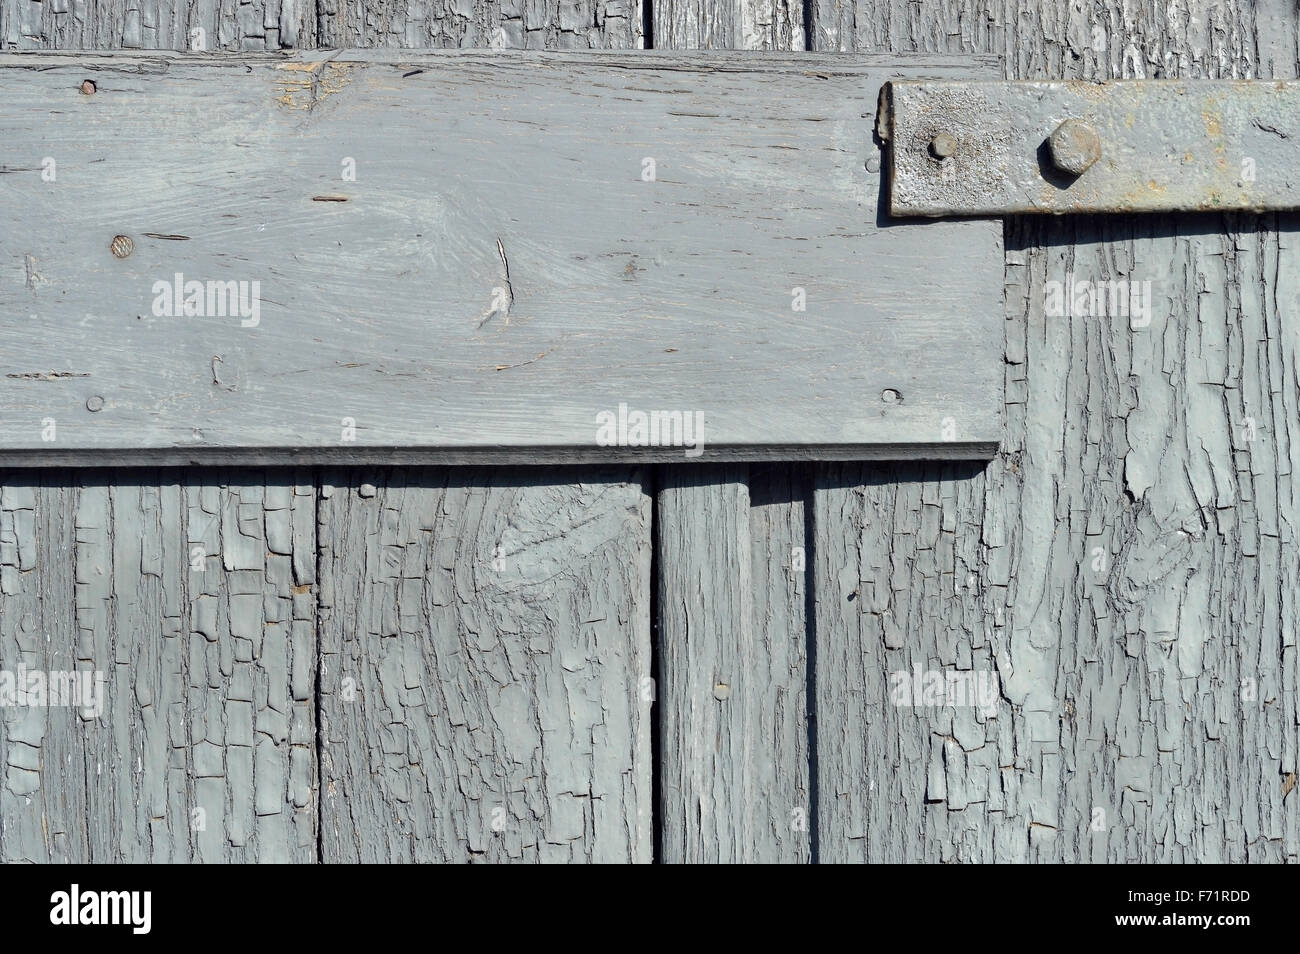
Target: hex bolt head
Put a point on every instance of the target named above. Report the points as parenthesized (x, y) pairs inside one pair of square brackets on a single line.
[(1074, 146), (943, 145), (122, 246)]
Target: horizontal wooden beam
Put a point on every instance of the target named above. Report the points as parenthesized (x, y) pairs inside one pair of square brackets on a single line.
[(470, 257)]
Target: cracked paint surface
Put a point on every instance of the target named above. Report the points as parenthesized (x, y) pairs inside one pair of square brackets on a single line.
[(1122, 686), (519, 690), (195, 601), (482, 651)]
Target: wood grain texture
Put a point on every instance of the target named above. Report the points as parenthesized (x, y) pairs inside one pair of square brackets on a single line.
[(157, 25), (1123, 685), (495, 626), (508, 24), (1128, 564), (192, 723), (446, 303), (734, 745), (193, 599), (485, 667), (728, 25), (192, 591)]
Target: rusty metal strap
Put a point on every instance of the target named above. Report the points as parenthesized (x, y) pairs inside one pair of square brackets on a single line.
[(960, 148)]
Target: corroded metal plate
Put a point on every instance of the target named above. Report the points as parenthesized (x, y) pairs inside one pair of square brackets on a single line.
[(1164, 146)]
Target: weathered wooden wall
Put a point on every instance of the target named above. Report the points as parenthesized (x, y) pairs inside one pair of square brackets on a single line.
[(482, 681), (1127, 561), (1127, 566)]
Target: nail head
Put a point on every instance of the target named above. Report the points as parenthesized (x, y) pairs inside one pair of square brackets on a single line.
[(943, 145), (1074, 146)]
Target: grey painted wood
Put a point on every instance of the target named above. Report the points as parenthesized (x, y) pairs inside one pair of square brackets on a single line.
[(495, 626), (730, 640), (1127, 564), (192, 597), (485, 670), (612, 25), (734, 749), (131, 584), (209, 25), (732, 592), (727, 25), (1119, 443), (452, 304), (191, 591)]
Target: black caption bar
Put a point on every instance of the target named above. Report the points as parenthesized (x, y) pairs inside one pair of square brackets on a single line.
[(337, 905)]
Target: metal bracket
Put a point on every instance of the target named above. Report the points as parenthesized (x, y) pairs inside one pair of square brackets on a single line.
[(1127, 146)]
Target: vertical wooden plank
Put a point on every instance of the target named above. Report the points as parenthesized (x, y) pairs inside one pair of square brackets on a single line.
[(252, 659), (36, 599), (1127, 565), (485, 661), (896, 575), (185, 604), (731, 634), (494, 624), (734, 740), (728, 24)]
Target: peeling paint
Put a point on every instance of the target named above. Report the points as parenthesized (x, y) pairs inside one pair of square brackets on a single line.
[(323, 80)]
